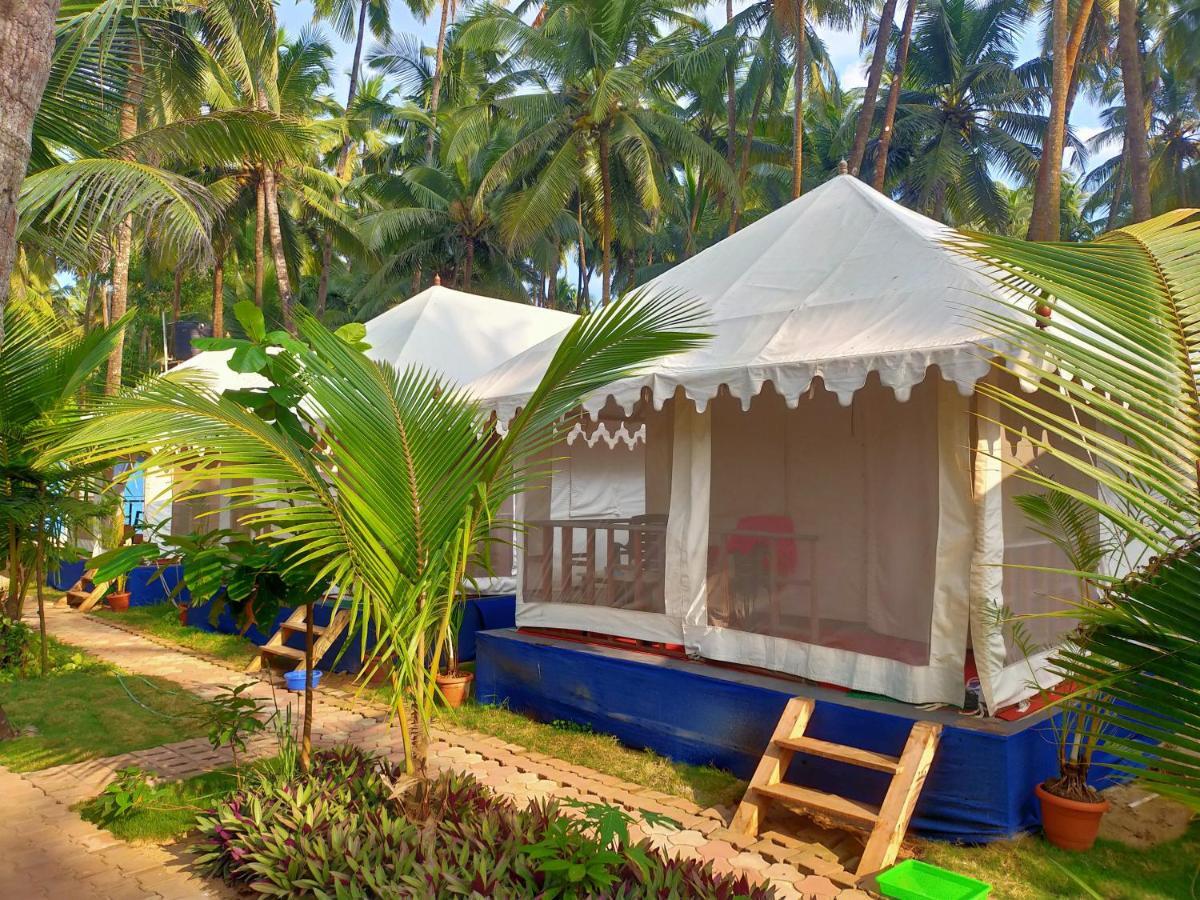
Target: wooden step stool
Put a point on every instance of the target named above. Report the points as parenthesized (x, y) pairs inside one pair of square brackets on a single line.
[(886, 823), (277, 648), (80, 598)]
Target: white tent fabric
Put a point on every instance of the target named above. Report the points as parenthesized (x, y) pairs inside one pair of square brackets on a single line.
[(457, 334), (461, 336), (835, 285), (839, 291)]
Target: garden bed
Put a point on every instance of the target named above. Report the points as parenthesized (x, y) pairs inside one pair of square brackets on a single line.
[(162, 621)]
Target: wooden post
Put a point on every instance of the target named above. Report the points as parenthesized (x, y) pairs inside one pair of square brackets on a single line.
[(566, 553), (547, 563), (610, 563), (589, 574)]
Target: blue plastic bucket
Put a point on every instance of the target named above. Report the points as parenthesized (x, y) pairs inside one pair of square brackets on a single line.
[(295, 680)]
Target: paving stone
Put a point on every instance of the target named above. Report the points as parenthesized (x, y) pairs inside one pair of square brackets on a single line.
[(818, 886), (514, 772)]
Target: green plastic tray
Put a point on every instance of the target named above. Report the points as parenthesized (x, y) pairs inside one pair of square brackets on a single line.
[(915, 880)]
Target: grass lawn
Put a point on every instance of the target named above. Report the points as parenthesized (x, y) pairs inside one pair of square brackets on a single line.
[(169, 812), (162, 620), (1031, 868), (704, 785), (83, 710)]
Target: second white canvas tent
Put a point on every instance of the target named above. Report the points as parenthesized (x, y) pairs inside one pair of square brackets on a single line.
[(812, 502), (457, 335)]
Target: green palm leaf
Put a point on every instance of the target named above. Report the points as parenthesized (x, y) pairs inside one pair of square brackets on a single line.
[(1122, 348)]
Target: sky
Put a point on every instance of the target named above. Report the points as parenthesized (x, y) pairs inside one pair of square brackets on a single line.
[(841, 45)]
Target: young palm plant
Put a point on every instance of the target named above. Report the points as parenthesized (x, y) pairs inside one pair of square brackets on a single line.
[(1115, 336), (386, 482)]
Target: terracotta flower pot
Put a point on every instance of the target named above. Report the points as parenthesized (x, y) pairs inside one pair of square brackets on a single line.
[(183, 614), (1070, 824), (455, 688), (118, 602)]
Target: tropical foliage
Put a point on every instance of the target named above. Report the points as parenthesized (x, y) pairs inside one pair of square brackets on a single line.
[(191, 154), (450, 834), (383, 486), (1120, 345)]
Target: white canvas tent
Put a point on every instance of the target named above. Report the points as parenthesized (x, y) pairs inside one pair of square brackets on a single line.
[(812, 502), (459, 336)]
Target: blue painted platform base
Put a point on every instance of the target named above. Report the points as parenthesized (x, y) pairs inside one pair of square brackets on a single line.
[(979, 789)]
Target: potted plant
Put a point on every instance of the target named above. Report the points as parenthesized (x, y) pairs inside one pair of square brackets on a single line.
[(118, 597), (1071, 808), (454, 683)]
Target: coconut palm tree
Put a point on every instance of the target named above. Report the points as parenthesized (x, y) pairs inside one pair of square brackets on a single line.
[(397, 488), (602, 64), (893, 101), (26, 34), (350, 27), (1174, 154), (965, 114), (866, 115)]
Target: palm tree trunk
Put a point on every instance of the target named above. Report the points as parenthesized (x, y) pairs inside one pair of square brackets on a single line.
[(730, 95), (218, 298), (469, 264), (26, 44), (1138, 154), (306, 729), (1114, 205), (606, 217), (343, 157), (889, 113), (40, 574), (260, 228), (89, 305), (1044, 221), (271, 189), (866, 114), (751, 127), (435, 88), (127, 128), (798, 101)]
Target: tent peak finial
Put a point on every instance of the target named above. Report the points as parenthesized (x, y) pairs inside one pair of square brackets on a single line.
[(843, 167), (437, 280)]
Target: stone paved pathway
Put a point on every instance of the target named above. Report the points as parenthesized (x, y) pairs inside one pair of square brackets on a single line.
[(46, 851), (795, 868)]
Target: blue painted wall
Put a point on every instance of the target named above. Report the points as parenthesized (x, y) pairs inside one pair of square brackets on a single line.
[(979, 789)]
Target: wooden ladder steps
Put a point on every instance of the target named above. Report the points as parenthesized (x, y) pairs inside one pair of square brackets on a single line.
[(855, 756), (286, 651), (841, 808), (324, 636), (886, 823), (300, 628), (81, 599)]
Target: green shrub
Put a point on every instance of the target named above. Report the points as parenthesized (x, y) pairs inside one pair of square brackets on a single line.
[(15, 640), (338, 832)]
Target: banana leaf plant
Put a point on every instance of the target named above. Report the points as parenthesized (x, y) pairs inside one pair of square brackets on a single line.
[(1112, 327), (391, 483)]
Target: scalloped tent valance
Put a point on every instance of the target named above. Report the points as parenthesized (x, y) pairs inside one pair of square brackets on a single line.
[(836, 285)]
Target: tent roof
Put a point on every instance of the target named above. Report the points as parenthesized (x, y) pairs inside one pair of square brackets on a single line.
[(213, 365), (457, 334), (835, 285)]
